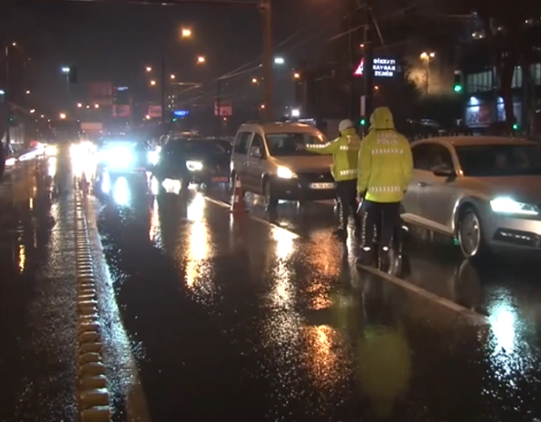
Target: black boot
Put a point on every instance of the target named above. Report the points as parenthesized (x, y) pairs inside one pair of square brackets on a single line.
[(384, 254), (366, 257)]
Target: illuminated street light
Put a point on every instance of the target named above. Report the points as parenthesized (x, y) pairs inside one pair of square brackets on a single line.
[(173, 76), (152, 83), (33, 111), (186, 32), (262, 106), (79, 105), (254, 80), (2, 92), (279, 60), (27, 92), (201, 60), (148, 69), (62, 116), (296, 75), (427, 56), (66, 70), (96, 106)]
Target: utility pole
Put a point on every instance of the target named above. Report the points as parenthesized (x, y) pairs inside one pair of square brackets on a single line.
[(218, 105), (267, 59), (368, 70), (163, 90), (7, 95)]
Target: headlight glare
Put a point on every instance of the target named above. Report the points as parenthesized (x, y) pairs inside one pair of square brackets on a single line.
[(194, 165), (284, 173), (510, 206)]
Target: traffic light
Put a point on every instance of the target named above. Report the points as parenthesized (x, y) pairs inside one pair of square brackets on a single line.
[(457, 83), (72, 75), (516, 126), (12, 120), (362, 122)]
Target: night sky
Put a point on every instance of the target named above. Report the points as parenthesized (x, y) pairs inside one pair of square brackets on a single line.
[(114, 42)]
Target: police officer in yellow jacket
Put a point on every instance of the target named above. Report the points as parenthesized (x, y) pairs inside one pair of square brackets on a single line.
[(385, 170), (345, 151)]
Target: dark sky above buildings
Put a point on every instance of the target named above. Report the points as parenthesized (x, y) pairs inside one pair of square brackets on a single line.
[(114, 42)]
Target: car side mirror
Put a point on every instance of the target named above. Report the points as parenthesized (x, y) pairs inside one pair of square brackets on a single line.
[(256, 152), (443, 170)]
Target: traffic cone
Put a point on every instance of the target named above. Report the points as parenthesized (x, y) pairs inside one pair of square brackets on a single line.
[(237, 204)]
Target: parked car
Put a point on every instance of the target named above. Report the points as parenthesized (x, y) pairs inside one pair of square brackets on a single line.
[(268, 161), (484, 191)]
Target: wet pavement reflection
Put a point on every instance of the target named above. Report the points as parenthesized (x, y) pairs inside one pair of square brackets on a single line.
[(240, 318)]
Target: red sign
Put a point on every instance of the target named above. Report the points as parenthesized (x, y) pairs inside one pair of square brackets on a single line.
[(154, 111), (123, 110), (225, 109), (359, 69), (101, 93)]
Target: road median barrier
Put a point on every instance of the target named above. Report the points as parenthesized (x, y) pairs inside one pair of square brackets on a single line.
[(93, 385)]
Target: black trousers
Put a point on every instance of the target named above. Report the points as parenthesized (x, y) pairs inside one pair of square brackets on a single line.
[(384, 217), (346, 191)]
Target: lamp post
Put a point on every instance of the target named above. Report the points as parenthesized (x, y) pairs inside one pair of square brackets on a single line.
[(427, 58)]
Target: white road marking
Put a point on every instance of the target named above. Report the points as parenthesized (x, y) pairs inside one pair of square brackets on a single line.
[(478, 318)]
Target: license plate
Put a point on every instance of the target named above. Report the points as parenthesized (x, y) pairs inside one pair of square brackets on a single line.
[(220, 179), (321, 185)]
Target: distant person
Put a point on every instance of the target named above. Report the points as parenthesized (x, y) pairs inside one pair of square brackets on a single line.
[(345, 152), (385, 170)]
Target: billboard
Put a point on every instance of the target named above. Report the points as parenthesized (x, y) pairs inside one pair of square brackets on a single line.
[(121, 110), (101, 93), (384, 68), (225, 109), (154, 111)]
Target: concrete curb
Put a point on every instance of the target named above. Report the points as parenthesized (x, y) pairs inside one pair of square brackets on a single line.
[(94, 400)]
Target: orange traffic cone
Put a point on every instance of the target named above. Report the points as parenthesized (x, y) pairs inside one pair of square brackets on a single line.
[(237, 205)]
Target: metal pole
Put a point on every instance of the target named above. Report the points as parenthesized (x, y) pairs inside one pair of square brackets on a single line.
[(427, 76), (368, 60), (6, 100), (163, 90), (267, 59), (218, 105)]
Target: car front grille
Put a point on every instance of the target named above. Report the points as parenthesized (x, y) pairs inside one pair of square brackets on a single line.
[(316, 177)]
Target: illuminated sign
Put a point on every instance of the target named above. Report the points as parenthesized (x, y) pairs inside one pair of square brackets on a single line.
[(384, 68), (181, 113)]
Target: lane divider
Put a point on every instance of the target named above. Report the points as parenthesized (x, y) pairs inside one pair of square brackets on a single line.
[(446, 303), (94, 398)]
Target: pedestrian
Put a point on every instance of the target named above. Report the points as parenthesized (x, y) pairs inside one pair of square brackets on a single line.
[(345, 152), (385, 170)]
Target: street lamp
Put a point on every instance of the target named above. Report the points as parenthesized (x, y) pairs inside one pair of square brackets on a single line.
[(427, 58), (96, 106), (186, 32), (153, 83), (62, 116), (296, 75), (27, 92), (33, 111), (279, 60), (79, 105), (148, 69), (173, 76), (254, 80), (201, 60), (65, 70)]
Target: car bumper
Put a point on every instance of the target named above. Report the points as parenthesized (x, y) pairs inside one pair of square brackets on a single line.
[(294, 189), (208, 178), (513, 233)]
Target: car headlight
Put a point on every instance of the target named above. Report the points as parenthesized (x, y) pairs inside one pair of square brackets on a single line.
[(153, 157), (510, 206), (194, 165), (51, 150), (119, 159), (284, 173)]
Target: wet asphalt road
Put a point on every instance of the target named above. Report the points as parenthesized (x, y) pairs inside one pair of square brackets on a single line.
[(243, 319), (262, 318)]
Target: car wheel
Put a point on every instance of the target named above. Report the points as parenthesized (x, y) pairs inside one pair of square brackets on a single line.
[(270, 198), (470, 235)]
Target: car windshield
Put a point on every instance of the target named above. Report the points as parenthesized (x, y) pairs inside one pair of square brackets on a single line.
[(500, 160), (287, 144), (200, 146)]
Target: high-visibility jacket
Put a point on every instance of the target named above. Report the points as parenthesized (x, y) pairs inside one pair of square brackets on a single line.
[(345, 152), (385, 161)]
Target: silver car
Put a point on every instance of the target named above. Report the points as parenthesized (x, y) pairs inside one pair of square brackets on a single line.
[(484, 191)]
